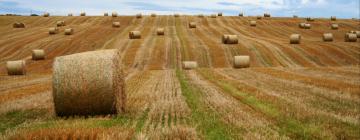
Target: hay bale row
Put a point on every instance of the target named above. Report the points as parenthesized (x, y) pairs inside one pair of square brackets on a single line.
[(16, 67), (241, 14), (18, 25), (188, 65), (38, 54), (82, 14), (220, 14), (258, 17), (230, 39), (70, 14), (139, 15), (87, 84), (334, 26), (192, 25), (106, 14), (134, 34), (241, 61), (116, 24), (213, 15), (267, 15), (253, 23), (53, 30), (69, 31), (295, 38), (350, 37), (160, 31), (328, 37), (355, 32), (304, 25), (46, 14), (114, 14), (60, 23)]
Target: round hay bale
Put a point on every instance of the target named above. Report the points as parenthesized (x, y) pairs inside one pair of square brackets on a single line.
[(53, 30), (46, 14), (258, 17), (242, 61), (134, 34), (106, 14), (267, 15), (192, 25), (160, 31), (213, 15), (89, 83), (295, 38), (82, 14), (333, 18), (70, 14), (60, 23), (334, 26), (223, 38), (176, 15), (241, 14), (253, 23), (69, 31), (18, 25), (357, 34), (38, 54), (328, 37), (153, 15), (230, 39), (307, 26), (114, 14), (188, 65), (116, 24), (302, 25), (16, 67), (138, 15), (350, 37), (220, 14)]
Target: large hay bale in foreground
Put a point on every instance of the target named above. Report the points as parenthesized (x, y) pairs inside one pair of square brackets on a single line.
[(114, 14), (82, 14), (60, 23), (38, 54), (134, 34), (160, 31), (241, 61), (16, 67), (53, 30), (69, 31), (295, 38), (188, 65), (18, 25), (350, 37), (333, 18), (89, 83), (334, 26), (139, 15), (328, 37), (116, 24), (253, 23), (230, 39), (46, 14), (192, 25), (106, 14)]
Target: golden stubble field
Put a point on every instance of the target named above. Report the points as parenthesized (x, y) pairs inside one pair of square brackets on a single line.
[(309, 90)]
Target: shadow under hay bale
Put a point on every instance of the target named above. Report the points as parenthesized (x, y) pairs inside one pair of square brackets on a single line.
[(230, 39), (88, 84), (18, 25), (328, 37), (38, 54), (295, 38), (192, 25), (116, 24), (160, 31)]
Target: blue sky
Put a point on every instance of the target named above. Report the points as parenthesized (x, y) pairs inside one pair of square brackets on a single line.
[(315, 8)]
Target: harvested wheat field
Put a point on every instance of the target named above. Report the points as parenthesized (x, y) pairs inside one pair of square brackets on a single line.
[(309, 90)]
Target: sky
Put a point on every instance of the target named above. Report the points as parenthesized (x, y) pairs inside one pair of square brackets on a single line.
[(304, 8)]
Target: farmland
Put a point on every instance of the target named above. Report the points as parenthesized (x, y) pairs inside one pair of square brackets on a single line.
[(309, 90)]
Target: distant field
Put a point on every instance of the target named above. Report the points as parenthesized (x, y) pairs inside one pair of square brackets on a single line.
[(309, 90)]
